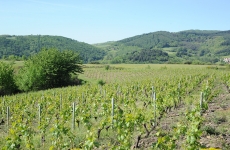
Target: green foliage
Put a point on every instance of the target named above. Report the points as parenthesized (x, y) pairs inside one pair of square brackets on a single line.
[(200, 45), (150, 40), (31, 77), (49, 68), (223, 52), (182, 52), (188, 62), (15, 46), (101, 82), (107, 67), (193, 132), (203, 46), (148, 56), (7, 83), (131, 116), (94, 62)]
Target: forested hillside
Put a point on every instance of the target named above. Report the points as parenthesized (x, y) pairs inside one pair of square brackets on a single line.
[(25, 46), (191, 46), (200, 46)]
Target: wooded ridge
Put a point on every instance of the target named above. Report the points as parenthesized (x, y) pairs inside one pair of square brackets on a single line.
[(207, 46), (190, 46), (25, 46)]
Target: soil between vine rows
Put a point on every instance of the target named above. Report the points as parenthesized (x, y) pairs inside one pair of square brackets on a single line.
[(216, 125)]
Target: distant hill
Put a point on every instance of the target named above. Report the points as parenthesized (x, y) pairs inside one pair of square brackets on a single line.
[(31, 44), (190, 46), (199, 46)]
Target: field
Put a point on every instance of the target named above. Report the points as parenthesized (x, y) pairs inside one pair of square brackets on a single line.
[(125, 106)]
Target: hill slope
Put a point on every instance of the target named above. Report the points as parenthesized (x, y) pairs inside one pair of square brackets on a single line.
[(190, 45), (28, 45)]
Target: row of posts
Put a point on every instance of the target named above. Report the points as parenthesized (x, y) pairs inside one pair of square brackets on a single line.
[(73, 111), (112, 109)]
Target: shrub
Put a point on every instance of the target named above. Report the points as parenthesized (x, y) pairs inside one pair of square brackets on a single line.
[(107, 67), (101, 82), (188, 62), (49, 68), (7, 82)]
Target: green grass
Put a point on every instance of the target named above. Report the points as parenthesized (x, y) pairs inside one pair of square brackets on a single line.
[(104, 45), (15, 63)]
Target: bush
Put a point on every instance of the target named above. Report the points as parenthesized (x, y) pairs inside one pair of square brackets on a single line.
[(49, 68), (101, 82), (107, 67), (188, 62), (197, 62), (7, 82)]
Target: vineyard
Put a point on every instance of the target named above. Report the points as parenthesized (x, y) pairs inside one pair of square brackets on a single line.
[(123, 107)]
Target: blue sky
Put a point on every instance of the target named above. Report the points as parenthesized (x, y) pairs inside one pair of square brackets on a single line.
[(96, 21)]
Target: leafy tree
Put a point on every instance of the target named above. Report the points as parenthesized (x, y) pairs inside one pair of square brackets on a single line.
[(7, 82), (182, 52), (49, 68)]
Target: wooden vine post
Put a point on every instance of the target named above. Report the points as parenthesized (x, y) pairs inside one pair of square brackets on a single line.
[(39, 124), (154, 102), (155, 107), (60, 102), (39, 114), (8, 117), (179, 98), (3, 104), (73, 119), (201, 102), (112, 111), (105, 94)]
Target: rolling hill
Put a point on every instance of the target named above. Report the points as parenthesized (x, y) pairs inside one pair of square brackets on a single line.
[(31, 44), (198, 46), (190, 46)]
